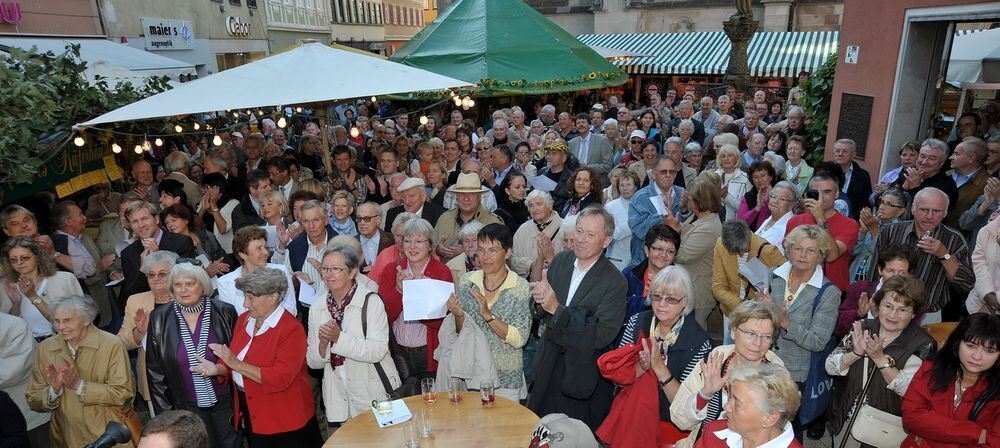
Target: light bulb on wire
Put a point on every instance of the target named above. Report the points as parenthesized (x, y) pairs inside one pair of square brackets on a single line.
[(79, 141), (465, 103), (458, 101), (423, 119), (178, 129), (115, 148), (197, 126), (374, 100), (355, 132), (298, 110), (282, 122), (217, 141), (158, 142), (138, 149)]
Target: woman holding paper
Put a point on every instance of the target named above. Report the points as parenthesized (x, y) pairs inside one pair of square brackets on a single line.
[(497, 300), (250, 247), (274, 400), (417, 339), (348, 336)]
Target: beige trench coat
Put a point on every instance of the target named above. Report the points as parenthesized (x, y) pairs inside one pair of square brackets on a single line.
[(102, 362)]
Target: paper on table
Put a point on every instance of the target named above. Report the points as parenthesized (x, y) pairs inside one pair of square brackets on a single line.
[(307, 295), (399, 414), (542, 183), (272, 236), (426, 298), (657, 202), (756, 273)]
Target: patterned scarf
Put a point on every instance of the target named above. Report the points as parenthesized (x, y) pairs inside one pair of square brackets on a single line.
[(337, 312), (203, 390)]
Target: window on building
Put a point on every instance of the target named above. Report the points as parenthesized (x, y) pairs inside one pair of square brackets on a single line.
[(252, 4), (234, 2)]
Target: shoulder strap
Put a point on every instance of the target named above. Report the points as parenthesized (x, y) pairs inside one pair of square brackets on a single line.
[(981, 402), (761, 248), (819, 295), (364, 332)]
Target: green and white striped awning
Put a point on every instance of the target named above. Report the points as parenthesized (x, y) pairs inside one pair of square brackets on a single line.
[(783, 54)]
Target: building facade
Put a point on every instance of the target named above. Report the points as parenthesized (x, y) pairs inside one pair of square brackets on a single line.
[(359, 24), (403, 20), (51, 17), (671, 16), (214, 35), (289, 22)]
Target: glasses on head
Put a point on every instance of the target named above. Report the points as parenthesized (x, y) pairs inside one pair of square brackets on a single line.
[(157, 275), (193, 261), (21, 259), (669, 300), (754, 336), (328, 270), (890, 204), (367, 219), (411, 243)]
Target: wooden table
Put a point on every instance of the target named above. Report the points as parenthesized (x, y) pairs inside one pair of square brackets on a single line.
[(470, 424)]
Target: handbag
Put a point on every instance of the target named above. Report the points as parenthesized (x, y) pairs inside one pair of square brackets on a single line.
[(409, 384), (130, 419), (872, 426), (818, 387)]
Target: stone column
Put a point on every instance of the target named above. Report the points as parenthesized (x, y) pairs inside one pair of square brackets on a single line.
[(739, 28)]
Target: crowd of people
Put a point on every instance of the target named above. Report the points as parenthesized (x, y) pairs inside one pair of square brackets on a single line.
[(678, 256)]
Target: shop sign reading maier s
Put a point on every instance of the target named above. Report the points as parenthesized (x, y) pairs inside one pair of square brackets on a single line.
[(165, 34), (237, 27)]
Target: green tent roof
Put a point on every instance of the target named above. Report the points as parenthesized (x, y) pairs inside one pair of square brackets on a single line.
[(507, 48)]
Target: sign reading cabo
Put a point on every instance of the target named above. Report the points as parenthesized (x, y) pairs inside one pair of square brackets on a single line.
[(237, 27), (167, 34)]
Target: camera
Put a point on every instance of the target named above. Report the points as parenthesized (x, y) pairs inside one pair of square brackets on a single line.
[(812, 194)]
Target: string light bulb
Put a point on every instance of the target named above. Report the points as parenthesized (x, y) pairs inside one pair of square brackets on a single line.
[(158, 142), (472, 103), (282, 122), (217, 141), (236, 114), (465, 103), (355, 132), (115, 148), (178, 128), (423, 119), (374, 100), (197, 126), (138, 149), (298, 110), (458, 101), (79, 141)]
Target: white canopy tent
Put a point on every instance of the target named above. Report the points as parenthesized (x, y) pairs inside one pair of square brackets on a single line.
[(975, 58), (143, 63), (309, 73)]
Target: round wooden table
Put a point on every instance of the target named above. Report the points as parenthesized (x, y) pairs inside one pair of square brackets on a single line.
[(506, 424)]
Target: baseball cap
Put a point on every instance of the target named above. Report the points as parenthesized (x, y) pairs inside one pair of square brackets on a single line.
[(560, 431)]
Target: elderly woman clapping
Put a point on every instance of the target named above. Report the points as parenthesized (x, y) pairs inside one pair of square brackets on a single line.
[(265, 361), (178, 334), (82, 376), (679, 343), (764, 399), (348, 336)]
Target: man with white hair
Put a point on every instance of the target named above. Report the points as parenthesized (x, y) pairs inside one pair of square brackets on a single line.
[(943, 262), (930, 172), (177, 166), (548, 115), (500, 134), (707, 115), (518, 128), (414, 200), (684, 111)]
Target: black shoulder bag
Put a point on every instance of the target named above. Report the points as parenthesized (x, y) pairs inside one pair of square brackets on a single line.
[(409, 385)]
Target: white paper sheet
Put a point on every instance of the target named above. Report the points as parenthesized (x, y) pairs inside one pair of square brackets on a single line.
[(541, 183), (114, 282), (426, 298), (204, 260), (400, 413), (658, 204), (272, 236), (756, 273), (307, 295)]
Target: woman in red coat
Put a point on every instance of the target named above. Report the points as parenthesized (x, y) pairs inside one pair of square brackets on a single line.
[(938, 407), (417, 339), (762, 402), (267, 360)]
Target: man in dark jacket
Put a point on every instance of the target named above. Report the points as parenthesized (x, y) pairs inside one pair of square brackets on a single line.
[(248, 212), (149, 238), (581, 304), (857, 181)]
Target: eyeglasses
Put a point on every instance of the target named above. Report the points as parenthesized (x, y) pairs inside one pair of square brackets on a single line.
[(662, 250), (367, 219), (890, 204), (327, 270), (659, 298), (805, 250), (754, 336), (414, 242), (157, 275), (775, 197), (21, 259), (489, 251), (667, 172), (635, 142)]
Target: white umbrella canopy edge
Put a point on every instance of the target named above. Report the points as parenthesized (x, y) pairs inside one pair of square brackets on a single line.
[(310, 73)]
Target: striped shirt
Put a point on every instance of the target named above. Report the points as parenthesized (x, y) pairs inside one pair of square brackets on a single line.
[(929, 268)]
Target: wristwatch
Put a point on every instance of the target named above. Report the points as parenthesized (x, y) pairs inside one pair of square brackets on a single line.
[(889, 362), (946, 257)]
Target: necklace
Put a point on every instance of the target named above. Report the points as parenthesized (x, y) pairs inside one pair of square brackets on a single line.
[(488, 289)]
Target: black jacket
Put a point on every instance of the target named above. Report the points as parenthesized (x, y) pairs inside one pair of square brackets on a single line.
[(245, 215), (858, 190), (431, 213), (135, 281), (166, 391)]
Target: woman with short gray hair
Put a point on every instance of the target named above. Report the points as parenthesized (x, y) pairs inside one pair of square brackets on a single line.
[(468, 235), (418, 338), (340, 344), (736, 247), (764, 402), (679, 343), (82, 376), (780, 202), (179, 335), (545, 224)]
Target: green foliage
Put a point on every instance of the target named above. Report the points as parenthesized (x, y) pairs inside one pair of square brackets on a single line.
[(43, 95), (818, 91)]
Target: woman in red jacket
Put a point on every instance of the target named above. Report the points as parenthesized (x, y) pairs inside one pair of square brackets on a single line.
[(267, 360), (953, 400), (416, 339)]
